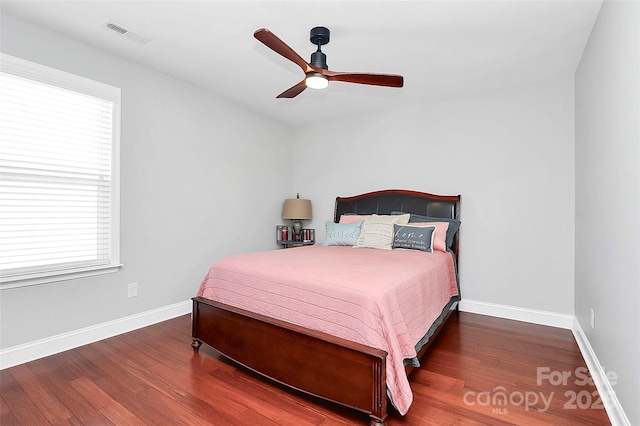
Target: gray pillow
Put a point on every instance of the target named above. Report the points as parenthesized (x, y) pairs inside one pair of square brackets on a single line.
[(413, 237)]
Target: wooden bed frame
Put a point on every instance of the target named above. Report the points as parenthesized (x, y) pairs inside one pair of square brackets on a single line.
[(316, 363)]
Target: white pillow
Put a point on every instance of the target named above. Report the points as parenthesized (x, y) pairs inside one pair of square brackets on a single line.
[(377, 232)]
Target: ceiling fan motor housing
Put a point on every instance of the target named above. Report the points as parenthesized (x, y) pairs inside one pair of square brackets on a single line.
[(319, 59)]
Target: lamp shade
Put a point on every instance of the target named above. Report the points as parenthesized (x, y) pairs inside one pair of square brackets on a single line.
[(296, 208)]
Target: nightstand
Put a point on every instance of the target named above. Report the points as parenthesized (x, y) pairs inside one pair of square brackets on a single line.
[(287, 238)]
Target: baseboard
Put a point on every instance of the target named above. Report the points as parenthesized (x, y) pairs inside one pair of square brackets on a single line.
[(52, 345), (534, 316), (610, 401)]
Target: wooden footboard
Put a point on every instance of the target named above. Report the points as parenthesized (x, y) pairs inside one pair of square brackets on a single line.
[(316, 363)]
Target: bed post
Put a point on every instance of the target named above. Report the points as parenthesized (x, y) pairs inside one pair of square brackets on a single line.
[(378, 414), (195, 316), (195, 344)]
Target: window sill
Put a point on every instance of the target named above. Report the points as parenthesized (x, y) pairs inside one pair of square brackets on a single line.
[(7, 282)]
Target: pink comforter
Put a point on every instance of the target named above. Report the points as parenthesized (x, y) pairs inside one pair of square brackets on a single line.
[(385, 299)]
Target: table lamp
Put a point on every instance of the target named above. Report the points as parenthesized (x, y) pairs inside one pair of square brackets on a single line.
[(297, 209)]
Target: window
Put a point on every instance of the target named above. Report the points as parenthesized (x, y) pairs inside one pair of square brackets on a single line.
[(59, 179)]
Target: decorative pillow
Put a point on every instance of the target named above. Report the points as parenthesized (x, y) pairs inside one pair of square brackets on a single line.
[(341, 234), (350, 218), (439, 235), (377, 232), (414, 237), (454, 224)]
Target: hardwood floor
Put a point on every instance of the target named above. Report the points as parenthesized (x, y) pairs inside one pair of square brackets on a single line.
[(480, 371)]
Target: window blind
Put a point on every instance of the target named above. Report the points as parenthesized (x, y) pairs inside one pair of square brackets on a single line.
[(57, 178)]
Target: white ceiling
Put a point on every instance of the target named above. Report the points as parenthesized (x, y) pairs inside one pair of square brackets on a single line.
[(442, 48)]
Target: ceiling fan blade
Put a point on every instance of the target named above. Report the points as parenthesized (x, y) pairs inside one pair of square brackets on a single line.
[(274, 43), (294, 91), (389, 80)]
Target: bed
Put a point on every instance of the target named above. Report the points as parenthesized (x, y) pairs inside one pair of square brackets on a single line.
[(343, 363)]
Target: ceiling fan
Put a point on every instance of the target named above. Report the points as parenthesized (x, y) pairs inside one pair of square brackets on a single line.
[(317, 74)]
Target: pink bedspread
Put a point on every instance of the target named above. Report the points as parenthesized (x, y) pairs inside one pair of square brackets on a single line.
[(385, 299)]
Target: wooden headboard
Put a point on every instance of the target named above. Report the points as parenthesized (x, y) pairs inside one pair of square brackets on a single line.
[(391, 200)]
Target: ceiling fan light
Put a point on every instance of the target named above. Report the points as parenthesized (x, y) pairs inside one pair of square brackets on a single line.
[(316, 81)]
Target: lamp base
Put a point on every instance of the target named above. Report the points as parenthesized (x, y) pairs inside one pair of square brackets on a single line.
[(297, 226)]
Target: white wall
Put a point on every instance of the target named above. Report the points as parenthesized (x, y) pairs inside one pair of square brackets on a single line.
[(197, 183), (509, 153), (608, 196)]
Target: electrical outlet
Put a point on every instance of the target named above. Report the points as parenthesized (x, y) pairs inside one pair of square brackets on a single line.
[(132, 290), (593, 319)]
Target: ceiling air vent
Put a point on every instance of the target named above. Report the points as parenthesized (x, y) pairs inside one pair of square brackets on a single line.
[(120, 29)]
